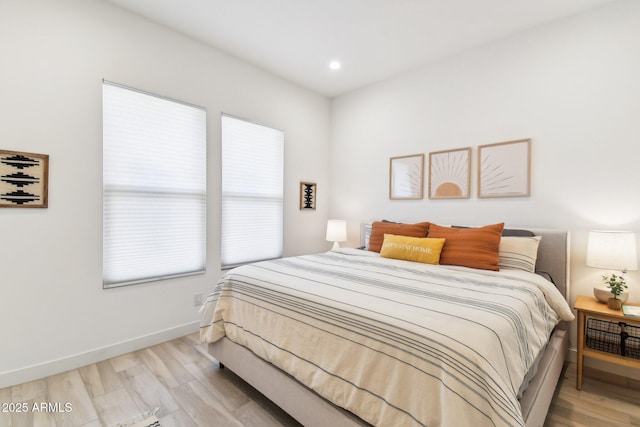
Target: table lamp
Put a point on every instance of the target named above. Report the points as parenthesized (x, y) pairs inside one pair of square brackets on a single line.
[(611, 250), (336, 232)]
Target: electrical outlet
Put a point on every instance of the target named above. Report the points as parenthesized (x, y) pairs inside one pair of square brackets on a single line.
[(197, 300)]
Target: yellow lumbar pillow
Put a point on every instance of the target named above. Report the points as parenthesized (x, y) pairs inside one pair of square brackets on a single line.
[(417, 249)]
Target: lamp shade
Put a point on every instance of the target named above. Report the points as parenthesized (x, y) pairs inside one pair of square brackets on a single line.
[(336, 231), (612, 250)]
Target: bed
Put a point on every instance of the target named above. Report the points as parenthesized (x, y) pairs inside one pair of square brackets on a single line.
[(351, 338)]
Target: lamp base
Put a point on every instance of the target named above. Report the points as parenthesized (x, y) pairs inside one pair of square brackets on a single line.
[(603, 293), (336, 245)]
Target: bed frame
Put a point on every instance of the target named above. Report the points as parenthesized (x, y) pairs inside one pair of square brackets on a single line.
[(311, 410)]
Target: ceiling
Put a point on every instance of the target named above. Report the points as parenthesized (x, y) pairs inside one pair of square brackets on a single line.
[(373, 39)]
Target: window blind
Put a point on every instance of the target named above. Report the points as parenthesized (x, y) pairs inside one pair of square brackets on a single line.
[(154, 187), (252, 192)]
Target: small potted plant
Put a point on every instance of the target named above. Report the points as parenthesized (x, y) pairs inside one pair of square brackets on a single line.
[(617, 285)]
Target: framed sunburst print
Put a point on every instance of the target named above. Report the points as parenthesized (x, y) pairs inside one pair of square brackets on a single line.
[(406, 177), (450, 174), (23, 179), (504, 169)]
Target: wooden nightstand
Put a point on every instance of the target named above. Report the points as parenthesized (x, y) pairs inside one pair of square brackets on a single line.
[(590, 307)]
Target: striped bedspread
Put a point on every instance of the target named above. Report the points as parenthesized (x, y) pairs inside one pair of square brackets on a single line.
[(396, 343)]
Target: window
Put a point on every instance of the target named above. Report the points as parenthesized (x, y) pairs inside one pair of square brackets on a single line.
[(154, 187), (252, 192)]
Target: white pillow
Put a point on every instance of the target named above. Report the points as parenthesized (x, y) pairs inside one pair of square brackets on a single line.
[(519, 253)]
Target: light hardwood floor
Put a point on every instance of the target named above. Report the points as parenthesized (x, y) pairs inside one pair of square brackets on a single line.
[(180, 379)]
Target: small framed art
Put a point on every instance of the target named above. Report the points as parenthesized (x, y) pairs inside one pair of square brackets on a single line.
[(308, 195), (504, 169), (450, 174), (23, 179), (406, 177)]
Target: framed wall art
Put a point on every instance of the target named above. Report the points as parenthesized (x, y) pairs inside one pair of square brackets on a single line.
[(406, 177), (308, 195), (450, 174), (504, 169), (23, 179)]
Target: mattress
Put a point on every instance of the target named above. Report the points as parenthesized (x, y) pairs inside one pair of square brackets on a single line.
[(394, 342)]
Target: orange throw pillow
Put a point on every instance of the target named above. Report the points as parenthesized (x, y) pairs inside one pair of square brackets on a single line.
[(380, 228), (470, 247)]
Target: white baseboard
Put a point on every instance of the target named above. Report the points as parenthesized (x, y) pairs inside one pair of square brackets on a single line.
[(52, 367), (601, 365)]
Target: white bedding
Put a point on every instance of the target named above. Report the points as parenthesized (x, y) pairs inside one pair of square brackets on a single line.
[(396, 343)]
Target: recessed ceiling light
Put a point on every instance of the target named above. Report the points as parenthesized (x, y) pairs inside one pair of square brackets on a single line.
[(335, 65)]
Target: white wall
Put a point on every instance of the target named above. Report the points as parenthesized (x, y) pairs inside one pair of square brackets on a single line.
[(54, 314), (573, 86)]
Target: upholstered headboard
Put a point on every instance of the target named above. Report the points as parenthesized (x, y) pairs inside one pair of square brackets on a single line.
[(553, 256)]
